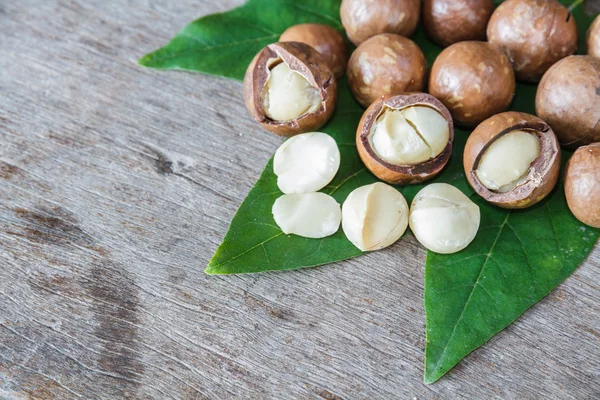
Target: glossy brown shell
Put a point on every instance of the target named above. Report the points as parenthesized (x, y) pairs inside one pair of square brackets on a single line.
[(450, 21), (593, 38), (474, 80), (534, 34), (401, 174), (568, 98), (386, 64), (582, 184), (326, 40), (544, 171), (364, 19)]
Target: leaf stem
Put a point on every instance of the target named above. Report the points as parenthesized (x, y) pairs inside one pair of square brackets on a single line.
[(574, 5)]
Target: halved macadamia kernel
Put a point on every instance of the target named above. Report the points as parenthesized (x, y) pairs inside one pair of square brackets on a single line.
[(410, 136), (374, 216), (290, 89), (306, 163), (508, 160), (443, 219), (512, 160), (405, 138), (311, 215), (288, 95)]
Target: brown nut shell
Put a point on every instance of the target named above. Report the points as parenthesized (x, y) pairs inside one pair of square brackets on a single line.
[(593, 38), (534, 34), (364, 19), (303, 59), (543, 173), (323, 38), (568, 99), (474, 80), (450, 21), (386, 64), (401, 174), (582, 184)]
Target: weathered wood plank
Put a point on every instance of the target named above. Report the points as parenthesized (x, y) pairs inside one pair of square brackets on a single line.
[(117, 184)]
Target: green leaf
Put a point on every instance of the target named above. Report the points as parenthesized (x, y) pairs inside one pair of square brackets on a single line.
[(517, 258)]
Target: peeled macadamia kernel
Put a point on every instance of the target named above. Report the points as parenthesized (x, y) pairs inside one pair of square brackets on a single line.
[(386, 64), (326, 40), (311, 215), (507, 161), (405, 138), (410, 136), (443, 219), (451, 21), (593, 38), (364, 19), (289, 89), (374, 216), (306, 163), (474, 80), (512, 160), (582, 184), (568, 99), (288, 95), (534, 34)]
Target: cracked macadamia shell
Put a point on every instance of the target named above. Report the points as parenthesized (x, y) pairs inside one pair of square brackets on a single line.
[(364, 19), (451, 21), (401, 173), (582, 184), (386, 64), (311, 215), (593, 38), (323, 38), (474, 80), (374, 216), (443, 219), (304, 74), (568, 99), (541, 177), (534, 34)]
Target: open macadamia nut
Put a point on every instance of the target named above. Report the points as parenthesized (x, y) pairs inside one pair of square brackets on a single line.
[(568, 99), (326, 40), (443, 219), (451, 21), (474, 80), (374, 216), (364, 19), (306, 162), (289, 89), (311, 215), (534, 34), (582, 184), (405, 138), (512, 160), (386, 64), (593, 38)]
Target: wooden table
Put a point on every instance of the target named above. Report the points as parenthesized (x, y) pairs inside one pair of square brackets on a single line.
[(117, 183)]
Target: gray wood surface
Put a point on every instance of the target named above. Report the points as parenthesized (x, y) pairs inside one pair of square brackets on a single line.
[(116, 185)]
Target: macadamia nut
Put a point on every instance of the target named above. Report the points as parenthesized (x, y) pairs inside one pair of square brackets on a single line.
[(374, 216), (443, 219), (582, 184), (410, 136), (306, 162), (508, 160), (288, 95), (311, 215)]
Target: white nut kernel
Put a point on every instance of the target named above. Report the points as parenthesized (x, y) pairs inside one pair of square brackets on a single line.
[(410, 136), (374, 216), (288, 95), (507, 161), (306, 163), (443, 219), (311, 215)]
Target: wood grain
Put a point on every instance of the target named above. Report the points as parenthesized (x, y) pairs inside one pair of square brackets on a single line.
[(116, 185)]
